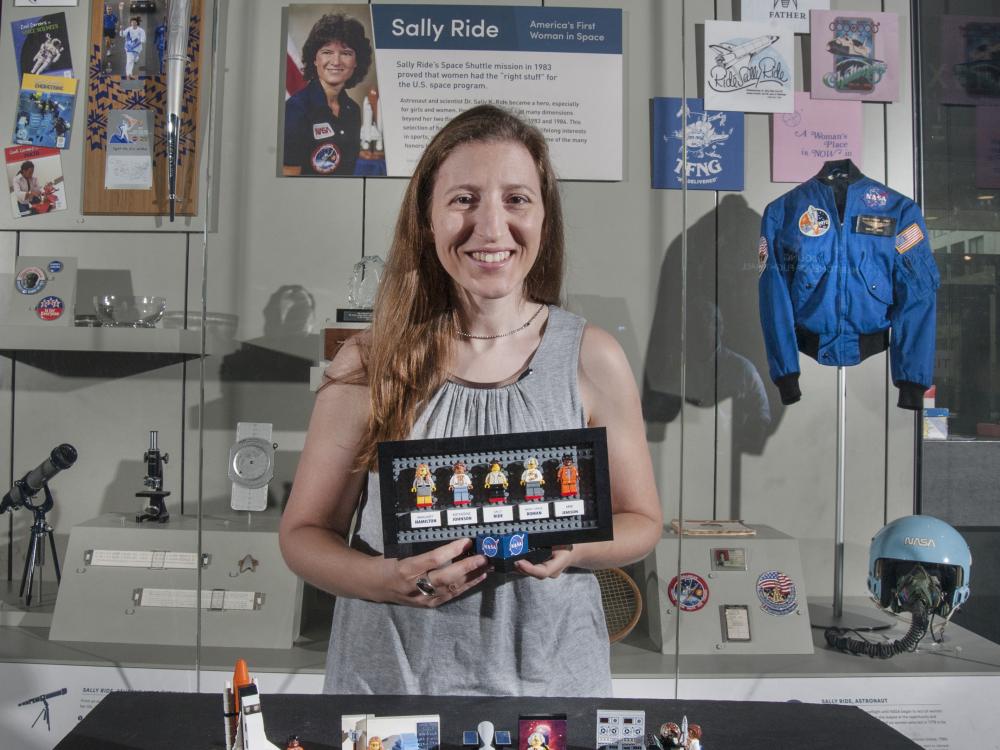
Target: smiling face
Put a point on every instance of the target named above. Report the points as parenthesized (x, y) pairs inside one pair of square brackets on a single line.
[(487, 215), (335, 63)]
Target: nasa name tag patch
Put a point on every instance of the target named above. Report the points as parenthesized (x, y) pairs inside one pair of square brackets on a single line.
[(814, 222), (880, 226), (322, 130)]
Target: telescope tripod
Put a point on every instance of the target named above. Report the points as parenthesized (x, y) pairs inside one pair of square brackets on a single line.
[(36, 548)]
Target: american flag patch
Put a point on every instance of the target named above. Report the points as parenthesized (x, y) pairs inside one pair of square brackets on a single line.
[(761, 255), (908, 238)]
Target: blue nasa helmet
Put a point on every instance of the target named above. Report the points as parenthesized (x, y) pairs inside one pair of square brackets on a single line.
[(902, 545)]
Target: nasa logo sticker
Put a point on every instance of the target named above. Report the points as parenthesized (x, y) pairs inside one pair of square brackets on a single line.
[(875, 197), (322, 130), (516, 544), (55, 266), (326, 158), (50, 308), (30, 280), (491, 546), (814, 222), (689, 593), (776, 592)]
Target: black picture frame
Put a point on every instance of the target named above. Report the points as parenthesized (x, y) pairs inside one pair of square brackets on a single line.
[(399, 459)]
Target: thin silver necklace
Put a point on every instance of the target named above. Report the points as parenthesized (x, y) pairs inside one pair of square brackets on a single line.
[(501, 335)]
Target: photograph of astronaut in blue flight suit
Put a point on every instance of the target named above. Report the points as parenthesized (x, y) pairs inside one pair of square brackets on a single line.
[(846, 271), (322, 135)]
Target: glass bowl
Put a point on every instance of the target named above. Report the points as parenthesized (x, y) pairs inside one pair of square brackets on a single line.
[(127, 311)]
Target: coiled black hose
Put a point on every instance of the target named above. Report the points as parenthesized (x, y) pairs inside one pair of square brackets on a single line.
[(838, 638)]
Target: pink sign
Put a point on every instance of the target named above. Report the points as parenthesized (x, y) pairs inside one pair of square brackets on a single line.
[(970, 60), (817, 131), (988, 147), (855, 55)]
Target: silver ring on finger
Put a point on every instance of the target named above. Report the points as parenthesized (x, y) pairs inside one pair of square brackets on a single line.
[(425, 587)]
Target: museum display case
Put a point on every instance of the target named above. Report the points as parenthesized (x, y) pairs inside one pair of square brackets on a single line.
[(770, 504)]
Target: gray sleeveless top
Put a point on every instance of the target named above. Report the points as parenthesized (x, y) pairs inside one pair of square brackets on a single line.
[(509, 636)]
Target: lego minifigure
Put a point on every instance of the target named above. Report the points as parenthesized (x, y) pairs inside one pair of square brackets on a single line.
[(694, 737), (496, 483), (460, 484), (532, 481), (568, 475), (292, 743), (423, 485), (670, 735), (375, 743), (536, 740)]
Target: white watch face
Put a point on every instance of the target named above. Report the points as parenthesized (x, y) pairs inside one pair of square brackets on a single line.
[(251, 463)]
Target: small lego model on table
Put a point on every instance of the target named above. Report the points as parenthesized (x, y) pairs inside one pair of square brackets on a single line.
[(568, 476), (460, 484), (671, 735), (532, 480), (496, 483), (242, 715), (486, 737), (621, 730), (423, 485)]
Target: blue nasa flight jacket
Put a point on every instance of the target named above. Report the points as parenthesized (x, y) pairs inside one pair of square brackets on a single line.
[(841, 287)]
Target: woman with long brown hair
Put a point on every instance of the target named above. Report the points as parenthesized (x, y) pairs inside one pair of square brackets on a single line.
[(468, 339)]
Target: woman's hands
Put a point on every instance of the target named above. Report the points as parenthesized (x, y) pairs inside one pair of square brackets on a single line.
[(430, 579), (562, 558)]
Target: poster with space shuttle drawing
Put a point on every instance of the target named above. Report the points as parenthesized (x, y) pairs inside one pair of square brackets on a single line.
[(855, 55), (749, 67)]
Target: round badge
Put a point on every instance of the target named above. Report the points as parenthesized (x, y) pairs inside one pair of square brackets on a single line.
[(776, 592), (517, 544), (491, 546), (689, 594), (875, 197), (814, 222), (792, 119), (326, 158), (50, 308), (30, 280), (55, 266)]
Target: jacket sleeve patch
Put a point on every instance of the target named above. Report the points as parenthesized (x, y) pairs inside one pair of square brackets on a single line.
[(909, 237), (761, 255)]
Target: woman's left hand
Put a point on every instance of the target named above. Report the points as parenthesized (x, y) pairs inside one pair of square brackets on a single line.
[(562, 558)]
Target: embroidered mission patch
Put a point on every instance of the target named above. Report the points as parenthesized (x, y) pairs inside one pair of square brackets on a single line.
[(761, 255), (814, 222)]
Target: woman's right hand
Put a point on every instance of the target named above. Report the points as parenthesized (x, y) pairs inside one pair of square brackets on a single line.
[(447, 576)]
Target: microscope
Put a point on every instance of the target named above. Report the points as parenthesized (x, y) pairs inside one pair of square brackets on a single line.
[(156, 509)]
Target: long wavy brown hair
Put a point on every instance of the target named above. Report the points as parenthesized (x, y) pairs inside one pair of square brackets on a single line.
[(406, 351)]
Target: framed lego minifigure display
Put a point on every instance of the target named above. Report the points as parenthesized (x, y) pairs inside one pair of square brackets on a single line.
[(551, 486)]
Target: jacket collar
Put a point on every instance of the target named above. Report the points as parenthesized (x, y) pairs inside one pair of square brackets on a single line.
[(844, 167)]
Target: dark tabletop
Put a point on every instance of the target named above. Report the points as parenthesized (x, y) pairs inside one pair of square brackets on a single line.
[(192, 721)]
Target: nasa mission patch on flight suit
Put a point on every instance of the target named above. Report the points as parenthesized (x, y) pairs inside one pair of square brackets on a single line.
[(317, 141), (842, 288)]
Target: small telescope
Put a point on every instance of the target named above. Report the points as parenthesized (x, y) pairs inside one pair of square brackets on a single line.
[(43, 698)]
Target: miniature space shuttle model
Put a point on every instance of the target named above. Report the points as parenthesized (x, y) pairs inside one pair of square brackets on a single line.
[(242, 713), (727, 55), (178, 21), (371, 123)]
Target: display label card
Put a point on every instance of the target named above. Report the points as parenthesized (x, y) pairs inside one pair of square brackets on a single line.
[(749, 67), (425, 519), (565, 508), (988, 147), (970, 70), (462, 516), (714, 146), (736, 622), (816, 132), (855, 55), (128, 161), (559, 68), (498, 514), (791, 13)]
